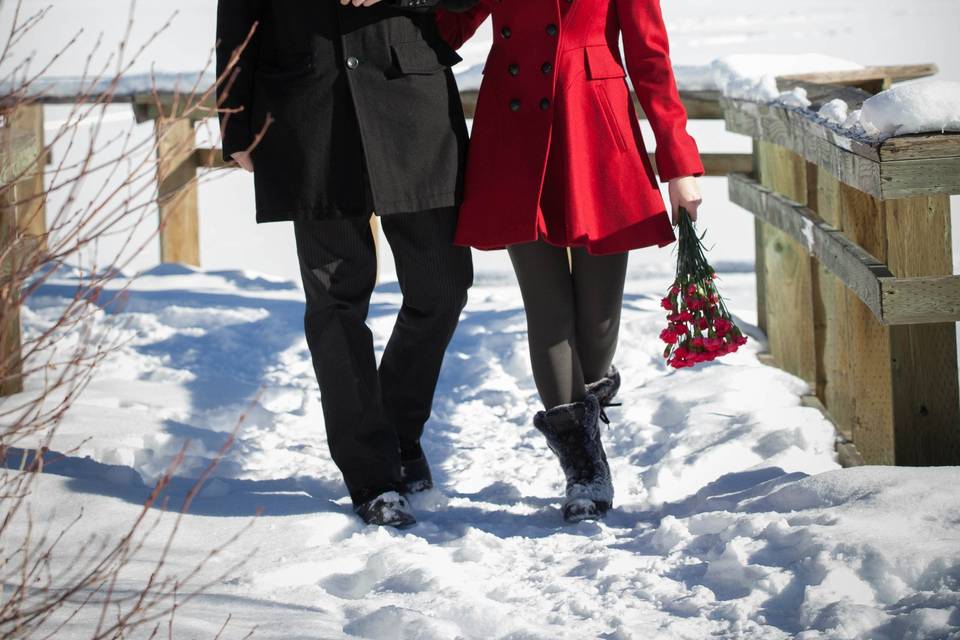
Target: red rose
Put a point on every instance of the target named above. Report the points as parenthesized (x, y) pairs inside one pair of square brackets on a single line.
[(668, 336)]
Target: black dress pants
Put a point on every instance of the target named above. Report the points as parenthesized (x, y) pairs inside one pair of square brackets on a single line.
[(375, 416)]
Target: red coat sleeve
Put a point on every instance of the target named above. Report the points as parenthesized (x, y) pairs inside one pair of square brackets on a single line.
[(647, 52), (458, 27)]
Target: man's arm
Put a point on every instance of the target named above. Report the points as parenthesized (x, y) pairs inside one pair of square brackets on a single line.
[(236, 21)]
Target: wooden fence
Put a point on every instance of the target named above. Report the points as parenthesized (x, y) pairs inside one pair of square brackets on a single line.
[(854, 272), (853, 251)]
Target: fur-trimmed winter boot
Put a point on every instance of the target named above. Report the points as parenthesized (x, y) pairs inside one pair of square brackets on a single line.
[(573, 434), (606, 388)]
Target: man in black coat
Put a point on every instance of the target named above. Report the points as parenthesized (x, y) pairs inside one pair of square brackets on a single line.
[(342, 108)]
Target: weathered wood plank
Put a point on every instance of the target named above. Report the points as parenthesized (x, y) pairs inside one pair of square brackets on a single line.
[(906, 171), (32, 205), (18, 152), (11, 364), (869, 350), (911, 178), (760, 267), (788, 271), (893, 300), (149, 106), (855, 77), (920, 300), (177, 193), (858, 270), (920, 146), (926, 397)]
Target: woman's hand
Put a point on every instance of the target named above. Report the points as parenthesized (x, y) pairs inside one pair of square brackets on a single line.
[(359, 3), (684, 192), (243, 159)]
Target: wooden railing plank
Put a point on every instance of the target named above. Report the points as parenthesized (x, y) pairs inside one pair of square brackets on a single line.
[(854, 77), (853, 161), (893, 300), (920, 300), (858, 270)]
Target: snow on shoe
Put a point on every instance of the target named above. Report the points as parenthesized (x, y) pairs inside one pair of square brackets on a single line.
[(573, 434), (606, 388), (389, 509)]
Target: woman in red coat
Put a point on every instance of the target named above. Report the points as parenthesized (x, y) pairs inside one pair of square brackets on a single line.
[(558, 174)]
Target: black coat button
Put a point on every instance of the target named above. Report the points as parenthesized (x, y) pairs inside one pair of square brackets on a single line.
[(514, 69), (514, 105), (544, 104), (547, 68), (352, 63), (551, 29), (505, 32)]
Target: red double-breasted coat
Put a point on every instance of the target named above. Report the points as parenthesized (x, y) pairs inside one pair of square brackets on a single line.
[(556, 151)]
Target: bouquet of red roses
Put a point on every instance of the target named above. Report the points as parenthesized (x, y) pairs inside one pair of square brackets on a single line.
[(699, 326)]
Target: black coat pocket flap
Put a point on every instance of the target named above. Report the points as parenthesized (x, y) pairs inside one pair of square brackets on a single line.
[(420, 57)]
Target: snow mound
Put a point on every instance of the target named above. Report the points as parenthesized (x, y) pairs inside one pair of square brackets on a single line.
[(922, 107)]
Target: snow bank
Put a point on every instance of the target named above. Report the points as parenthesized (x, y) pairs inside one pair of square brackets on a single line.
[(921, 107), (732, 518)]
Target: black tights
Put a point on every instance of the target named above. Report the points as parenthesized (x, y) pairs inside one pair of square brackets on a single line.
[(573, 304)]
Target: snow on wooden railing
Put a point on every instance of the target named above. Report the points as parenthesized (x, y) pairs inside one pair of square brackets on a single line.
[(854, 268)]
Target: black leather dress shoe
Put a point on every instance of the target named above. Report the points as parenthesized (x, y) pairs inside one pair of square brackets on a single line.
[(387, 510)]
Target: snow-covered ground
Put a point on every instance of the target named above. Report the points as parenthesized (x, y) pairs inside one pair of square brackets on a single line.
[(733, 518)]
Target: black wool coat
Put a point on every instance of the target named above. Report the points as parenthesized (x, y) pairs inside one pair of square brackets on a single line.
[(358, 104)]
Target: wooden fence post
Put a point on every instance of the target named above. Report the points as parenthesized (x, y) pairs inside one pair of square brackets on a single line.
[(32, 210), (10, 359), (18, 152), (787, 270), (836, 371), (177, 193), (760, 267), (892, 389), (926, 397)]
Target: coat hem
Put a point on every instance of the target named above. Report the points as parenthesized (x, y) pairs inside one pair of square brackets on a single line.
[(439, 201), (653, 231)]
